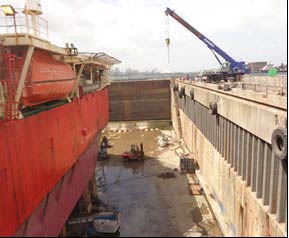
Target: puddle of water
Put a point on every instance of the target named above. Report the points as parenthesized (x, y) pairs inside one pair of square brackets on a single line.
[(128, 191), (149, 205)]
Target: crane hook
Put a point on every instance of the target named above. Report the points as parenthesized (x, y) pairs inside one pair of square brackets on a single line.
[(168, 41)]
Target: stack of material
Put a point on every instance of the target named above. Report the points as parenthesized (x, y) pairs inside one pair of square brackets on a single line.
[(167, 175), (162, 140), (187, 164), (195, 189)]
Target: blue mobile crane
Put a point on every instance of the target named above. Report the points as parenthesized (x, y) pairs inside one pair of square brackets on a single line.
[(231, 68)]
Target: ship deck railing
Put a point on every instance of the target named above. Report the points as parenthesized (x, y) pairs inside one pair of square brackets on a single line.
[(24, 24), (96, 86), (265, 85)]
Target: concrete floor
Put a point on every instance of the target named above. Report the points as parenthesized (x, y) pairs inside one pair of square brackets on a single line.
[(150, 205)]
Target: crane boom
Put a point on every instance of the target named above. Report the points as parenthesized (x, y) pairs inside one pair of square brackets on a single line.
[(235, 66)]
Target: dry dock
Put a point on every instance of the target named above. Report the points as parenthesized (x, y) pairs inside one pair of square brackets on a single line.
[(242, 184), (248, 182), (151, 205)]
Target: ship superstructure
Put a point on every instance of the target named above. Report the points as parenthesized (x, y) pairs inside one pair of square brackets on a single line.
[(53, 107)]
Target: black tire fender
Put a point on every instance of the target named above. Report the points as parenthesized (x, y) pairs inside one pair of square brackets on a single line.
[(192, 94), (181, 92), (279, 141), (175, 88), (213, 108)]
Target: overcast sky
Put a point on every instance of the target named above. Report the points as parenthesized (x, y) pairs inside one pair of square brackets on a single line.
[(134, 31)]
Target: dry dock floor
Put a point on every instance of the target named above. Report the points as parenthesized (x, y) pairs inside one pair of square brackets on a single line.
[(151, 205)]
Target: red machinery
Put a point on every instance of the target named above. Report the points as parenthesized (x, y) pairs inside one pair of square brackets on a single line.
[(135, 153)]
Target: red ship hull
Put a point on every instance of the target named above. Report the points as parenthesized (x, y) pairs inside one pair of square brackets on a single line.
[(46, 161), (50, 216)]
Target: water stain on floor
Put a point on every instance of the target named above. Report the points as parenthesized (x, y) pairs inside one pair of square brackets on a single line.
[(149, 205)]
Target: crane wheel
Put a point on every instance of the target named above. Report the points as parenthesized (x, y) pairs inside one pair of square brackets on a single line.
[(213, 108), (192, 94), (279, 141), (181, 92)]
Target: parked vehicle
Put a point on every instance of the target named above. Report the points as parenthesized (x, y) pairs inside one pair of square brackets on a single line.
[(135, 153)]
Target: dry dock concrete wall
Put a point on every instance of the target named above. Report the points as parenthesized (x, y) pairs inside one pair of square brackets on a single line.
[(245, 180), (139, 100)]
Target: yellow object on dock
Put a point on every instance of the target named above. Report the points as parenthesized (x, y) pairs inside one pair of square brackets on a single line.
[(168, 41)]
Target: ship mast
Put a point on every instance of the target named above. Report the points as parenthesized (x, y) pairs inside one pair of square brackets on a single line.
[(32, 9)]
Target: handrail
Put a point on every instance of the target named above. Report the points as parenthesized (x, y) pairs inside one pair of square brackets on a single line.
[(27, 24)]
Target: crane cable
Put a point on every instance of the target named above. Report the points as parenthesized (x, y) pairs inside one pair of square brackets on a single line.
[(168, 37)]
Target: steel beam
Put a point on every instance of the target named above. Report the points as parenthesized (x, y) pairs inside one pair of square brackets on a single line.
[(249, 159), (232, 131), (225, 138), (75, 90), (222, 137), (214, 130), (281, 194), (274, 175), (260, 165), (236, 154), (254, 163), (244, 155), (266, 175), (24, 73), (240, 151)]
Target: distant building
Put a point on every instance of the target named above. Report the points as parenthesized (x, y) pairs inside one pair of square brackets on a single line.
[(256, 66), (267, 67), (282, 68)]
